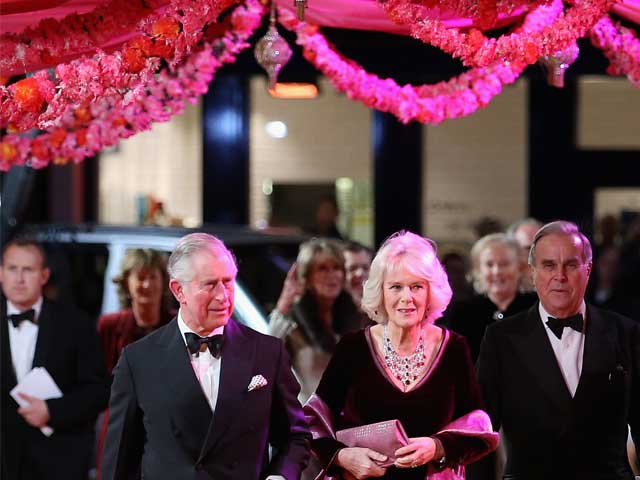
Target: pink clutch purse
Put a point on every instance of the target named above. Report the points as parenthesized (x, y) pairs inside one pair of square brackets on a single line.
[(383, 437)]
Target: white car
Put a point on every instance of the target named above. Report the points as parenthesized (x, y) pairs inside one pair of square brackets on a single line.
[(84, 258)]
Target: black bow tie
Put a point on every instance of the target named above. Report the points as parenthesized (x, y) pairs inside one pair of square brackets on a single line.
[(16, 318), (557, 324), (194, 342)]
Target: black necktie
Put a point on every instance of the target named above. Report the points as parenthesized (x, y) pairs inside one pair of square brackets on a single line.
[(194, 342), (16, 318), (557, 324)]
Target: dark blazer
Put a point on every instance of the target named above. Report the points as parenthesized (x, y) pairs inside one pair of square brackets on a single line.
[(161, 422), (68, 347), (471, 317), (547, 433)]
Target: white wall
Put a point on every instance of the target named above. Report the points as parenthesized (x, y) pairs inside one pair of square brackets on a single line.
[(165, 161), (608, 111), (328, 138), (476, 166)]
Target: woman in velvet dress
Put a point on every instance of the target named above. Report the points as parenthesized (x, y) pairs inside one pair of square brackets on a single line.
[(403, 368), (496, 271), (314, 310), (145, 299)]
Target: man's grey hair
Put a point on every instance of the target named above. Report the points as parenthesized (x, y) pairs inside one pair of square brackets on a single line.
[(513, 228), (179, 264), (561, 227)]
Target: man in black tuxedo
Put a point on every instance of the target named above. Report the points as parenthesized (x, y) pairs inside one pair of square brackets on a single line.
[(204, 397), (563, 378), (38, 332)]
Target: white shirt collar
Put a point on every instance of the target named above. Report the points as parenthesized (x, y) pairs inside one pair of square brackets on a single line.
[(37, 307), (544, 315), (184, 328)]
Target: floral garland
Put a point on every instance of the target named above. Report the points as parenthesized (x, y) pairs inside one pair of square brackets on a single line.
[(40, 101), (106, 121), (621, 46), (477, 50), (455, 98), (484, 13), (52, 40)]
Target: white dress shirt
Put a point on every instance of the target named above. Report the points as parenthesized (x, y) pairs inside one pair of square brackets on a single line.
[(568, 349), (205, 366), (207, 369), (22, 340)]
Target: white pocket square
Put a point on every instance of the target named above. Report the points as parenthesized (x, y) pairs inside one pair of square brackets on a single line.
[(258, 381)]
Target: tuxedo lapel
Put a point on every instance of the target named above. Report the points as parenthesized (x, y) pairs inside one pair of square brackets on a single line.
[(8, 370), (535, 350), (235, 374), (190, 411), (599, 356), (46, 325)]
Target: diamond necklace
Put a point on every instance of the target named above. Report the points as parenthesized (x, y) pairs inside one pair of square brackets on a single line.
[(406, 369)]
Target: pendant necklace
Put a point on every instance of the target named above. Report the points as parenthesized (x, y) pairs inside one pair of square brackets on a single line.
[(405, 369)]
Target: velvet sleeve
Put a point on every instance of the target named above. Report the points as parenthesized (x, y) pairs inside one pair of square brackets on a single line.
[(333, 389), (460, 448)]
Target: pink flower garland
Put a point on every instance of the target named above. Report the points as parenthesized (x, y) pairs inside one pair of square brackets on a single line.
[(52, 39), (161, 98), (477, 50), (621, 46), (455, 98), (168, 35)]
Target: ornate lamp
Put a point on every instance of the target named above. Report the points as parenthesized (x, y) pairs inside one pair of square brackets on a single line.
[(555, 65), (272, 51)]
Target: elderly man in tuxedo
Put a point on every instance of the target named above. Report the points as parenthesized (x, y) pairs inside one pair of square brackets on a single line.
[(38, 332), (563, 378), (204, 397)]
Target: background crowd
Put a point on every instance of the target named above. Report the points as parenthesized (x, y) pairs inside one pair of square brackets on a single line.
[(331, 315)]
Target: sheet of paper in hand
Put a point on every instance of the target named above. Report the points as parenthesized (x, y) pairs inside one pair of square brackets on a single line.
[(37, 383)]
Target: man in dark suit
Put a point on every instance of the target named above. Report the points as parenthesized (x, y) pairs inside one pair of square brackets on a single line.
[(563, 378), (37, 332), (204, 397)]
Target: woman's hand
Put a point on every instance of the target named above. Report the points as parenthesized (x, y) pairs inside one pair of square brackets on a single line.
[(291, 290), (361, 462), (420, 451)]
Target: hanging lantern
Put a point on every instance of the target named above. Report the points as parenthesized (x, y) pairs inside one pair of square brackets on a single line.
[(272, 51), (555, 65)]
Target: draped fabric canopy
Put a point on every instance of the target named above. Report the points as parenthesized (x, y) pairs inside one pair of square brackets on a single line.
[(76, 76), (16, 16)]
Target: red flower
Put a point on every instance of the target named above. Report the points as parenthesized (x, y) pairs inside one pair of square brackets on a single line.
[(8, 152), (119, 122), (476, 39), (133, 59), (57, 137), (166, 28), (48, 58), (40, 149), (81, 137), (530, 52), (27, 94), (82, 115)]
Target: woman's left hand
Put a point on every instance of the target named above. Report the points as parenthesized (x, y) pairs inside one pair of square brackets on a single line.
[(420, 451)]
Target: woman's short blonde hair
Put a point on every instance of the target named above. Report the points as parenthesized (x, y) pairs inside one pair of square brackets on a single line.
[(418, 255), (480, 246), (310, 249)]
